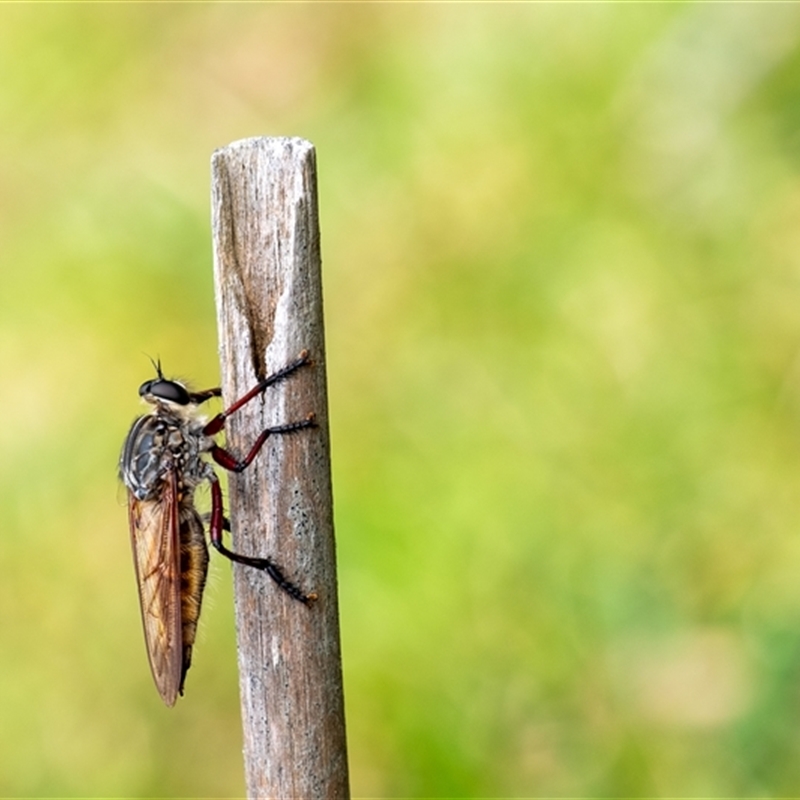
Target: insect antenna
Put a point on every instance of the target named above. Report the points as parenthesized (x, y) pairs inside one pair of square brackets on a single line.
[(156, 366)]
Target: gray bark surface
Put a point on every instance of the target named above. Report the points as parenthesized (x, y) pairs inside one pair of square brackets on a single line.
[(269, 307)]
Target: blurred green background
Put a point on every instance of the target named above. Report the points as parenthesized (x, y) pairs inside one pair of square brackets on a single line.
[(561, 254)]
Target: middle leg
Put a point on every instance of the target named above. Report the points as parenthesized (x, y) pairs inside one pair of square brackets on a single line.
[(229, 461)]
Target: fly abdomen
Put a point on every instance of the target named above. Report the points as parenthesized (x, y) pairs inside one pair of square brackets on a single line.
[(194, 568)]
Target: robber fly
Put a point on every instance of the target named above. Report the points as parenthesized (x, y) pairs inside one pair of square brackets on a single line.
[(161, 466)]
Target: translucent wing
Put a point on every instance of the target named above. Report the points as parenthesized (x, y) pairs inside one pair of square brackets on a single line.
[(156, 555)]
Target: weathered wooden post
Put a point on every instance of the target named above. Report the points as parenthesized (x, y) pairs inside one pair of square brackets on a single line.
[(269, 308)]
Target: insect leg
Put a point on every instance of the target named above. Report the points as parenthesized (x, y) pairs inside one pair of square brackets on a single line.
[(216, 424), (206, 394), (229, 461), (266, 564), (226, 523)]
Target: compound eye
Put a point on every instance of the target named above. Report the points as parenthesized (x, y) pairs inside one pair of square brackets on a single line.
[(166, 390)]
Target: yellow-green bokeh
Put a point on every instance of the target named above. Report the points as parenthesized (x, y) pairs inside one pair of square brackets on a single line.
[(561, 254)]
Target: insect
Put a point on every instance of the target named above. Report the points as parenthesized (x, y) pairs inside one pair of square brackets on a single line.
[(161, 466)]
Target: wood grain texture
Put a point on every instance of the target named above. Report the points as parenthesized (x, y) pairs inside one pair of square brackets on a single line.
[(269, 306)]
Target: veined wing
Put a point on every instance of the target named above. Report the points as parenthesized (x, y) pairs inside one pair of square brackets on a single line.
[(156, 555)]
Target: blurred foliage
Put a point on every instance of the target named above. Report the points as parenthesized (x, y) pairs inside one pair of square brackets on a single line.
[(562, 270)]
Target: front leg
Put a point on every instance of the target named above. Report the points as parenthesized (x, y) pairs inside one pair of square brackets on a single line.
[(206, 394), (218, 423)]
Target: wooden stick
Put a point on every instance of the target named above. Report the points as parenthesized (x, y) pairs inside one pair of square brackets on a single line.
[(269, 308)]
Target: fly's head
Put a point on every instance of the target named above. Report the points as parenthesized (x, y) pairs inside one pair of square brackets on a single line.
[(163, 392)]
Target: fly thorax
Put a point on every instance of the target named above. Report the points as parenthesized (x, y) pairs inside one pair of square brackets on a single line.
[(156, 446), (194, 468)]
